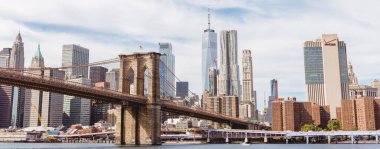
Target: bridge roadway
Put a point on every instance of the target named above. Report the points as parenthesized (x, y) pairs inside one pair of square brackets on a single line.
[(20, 79)]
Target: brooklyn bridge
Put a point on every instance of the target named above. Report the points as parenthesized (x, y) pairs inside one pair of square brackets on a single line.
[(138, 110)]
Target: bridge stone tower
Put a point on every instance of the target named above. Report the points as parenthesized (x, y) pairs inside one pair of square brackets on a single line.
[(139, 124)]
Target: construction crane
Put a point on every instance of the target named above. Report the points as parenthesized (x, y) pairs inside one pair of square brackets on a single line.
[(49, 137)]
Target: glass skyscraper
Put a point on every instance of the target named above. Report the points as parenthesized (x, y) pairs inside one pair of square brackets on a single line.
[(167, 70), (209, 53), (273, 96), (326, 75)]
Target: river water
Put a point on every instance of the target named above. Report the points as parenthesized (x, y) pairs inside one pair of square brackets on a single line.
[(194, 146)]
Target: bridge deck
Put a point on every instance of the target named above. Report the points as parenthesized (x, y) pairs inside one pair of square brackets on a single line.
[(192, 112), (49, 84)]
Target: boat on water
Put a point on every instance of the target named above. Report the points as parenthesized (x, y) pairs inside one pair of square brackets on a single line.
[(245, 143)]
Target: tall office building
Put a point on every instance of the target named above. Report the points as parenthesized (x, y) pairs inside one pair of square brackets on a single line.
[(98, 74), (75, 55), (4, 57), (274, 88), (182, 89), (213, 81), (17, 54), (248, 107), (209, 53), (33, 98), (229, 68), (326, 71), (112, 77), (76, 110), (52, 103), (99, 111), (273, 96), (16, 60), (47, 105), (167, 70), (98, 78), (5, 92)]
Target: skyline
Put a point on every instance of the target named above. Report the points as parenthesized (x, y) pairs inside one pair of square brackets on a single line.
[(258, 28)]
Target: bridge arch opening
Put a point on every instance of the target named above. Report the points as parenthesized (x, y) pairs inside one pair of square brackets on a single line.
[(146, 81), (131, 74)]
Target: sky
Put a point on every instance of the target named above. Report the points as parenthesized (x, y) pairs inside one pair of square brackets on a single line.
[(274, 30)]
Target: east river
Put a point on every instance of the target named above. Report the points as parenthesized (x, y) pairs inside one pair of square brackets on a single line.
[(193, 146)]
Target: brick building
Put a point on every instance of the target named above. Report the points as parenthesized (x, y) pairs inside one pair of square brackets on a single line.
[(226, 105), (292, 115), (361, 114)]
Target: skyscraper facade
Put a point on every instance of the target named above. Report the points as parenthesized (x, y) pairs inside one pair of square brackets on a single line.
[(167, 70), (33, 98), (16, 60), (274, 88), (273, 96), (248, 107), (5, 92), (99, 110), (76, 110), (213, 81), (98, 74), (326, 71), (229, 68), (52, 103), (75, 55), (182, 89), (209, 53), (112, 77)]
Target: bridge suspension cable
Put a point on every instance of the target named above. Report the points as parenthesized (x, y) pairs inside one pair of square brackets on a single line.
[(172, 73), (103, 62)]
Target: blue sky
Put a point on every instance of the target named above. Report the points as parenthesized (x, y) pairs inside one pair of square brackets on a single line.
[(273, 29)]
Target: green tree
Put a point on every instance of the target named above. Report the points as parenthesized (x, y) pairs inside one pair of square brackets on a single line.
[(333, 125), (310, 127)]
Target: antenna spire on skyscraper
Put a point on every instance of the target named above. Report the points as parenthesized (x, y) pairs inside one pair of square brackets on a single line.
[(208, 17)]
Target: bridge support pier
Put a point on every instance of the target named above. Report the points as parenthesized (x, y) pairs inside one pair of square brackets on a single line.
[(246, 138), (139, 125), (227, 139), (208, 136), (265, 138), (329, 139), (307, 140), (352, 139)]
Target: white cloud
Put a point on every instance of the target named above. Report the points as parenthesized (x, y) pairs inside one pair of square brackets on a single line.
[(274, 30)]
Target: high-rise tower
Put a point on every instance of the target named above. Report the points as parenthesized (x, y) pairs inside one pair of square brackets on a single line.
[(167, 70), (33, 98), (272, 97), (248, 106), (229, 68), (326, 71), (75, 55), (5, 92), (209, 53), (16, 60)]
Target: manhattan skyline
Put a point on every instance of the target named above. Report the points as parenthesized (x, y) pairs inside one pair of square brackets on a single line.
[(275, 31)]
